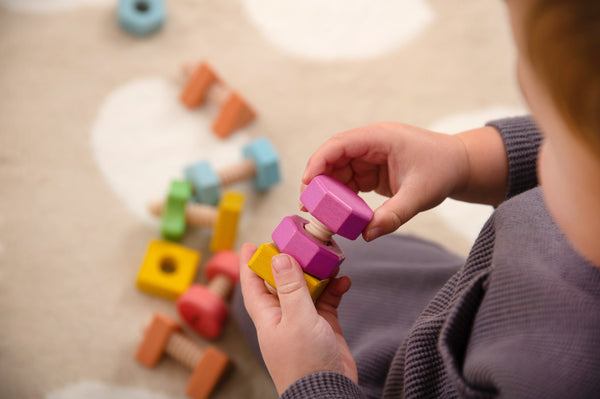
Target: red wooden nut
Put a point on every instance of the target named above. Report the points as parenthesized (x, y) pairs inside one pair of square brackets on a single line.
[(164, 335), (203, 307), (320, 259)]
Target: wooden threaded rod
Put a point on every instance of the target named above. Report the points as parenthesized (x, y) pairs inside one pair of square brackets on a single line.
[(197, 215), (243, 170), (218, 93), (220, 285), (318, 230), (184, 350)]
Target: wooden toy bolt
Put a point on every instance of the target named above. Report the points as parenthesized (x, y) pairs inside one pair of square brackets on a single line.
[(164, 335), (223, 219), (261, 164), (335, 209), (204, 307), (234, 111)]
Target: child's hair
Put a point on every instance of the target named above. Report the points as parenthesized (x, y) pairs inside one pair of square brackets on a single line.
[(563, 44)]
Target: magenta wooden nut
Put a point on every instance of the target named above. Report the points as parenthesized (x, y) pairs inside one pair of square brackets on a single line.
[(336, 206), (318, 259)]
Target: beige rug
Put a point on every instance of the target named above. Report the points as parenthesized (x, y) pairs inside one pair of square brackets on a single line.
[(91, 129)]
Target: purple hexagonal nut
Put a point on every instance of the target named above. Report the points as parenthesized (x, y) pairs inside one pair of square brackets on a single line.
[(336, 206), (318, 259)]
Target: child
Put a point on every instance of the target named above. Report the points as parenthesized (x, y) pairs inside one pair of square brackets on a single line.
[(519, 318)]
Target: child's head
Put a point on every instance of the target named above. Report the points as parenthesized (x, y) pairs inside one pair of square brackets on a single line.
[(559, 49)]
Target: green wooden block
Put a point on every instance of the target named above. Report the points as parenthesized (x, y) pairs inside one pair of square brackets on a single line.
[(173, 216)]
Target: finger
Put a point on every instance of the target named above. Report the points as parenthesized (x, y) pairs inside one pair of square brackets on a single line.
[(294, 298), (337, 152), (394, 212), (257, 299), (330, 299)]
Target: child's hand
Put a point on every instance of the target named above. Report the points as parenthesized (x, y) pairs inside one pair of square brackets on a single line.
[(296, 339), (415, 167)]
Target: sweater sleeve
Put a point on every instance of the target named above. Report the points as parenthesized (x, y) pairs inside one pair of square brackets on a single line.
[(323, 385), (522, 139)]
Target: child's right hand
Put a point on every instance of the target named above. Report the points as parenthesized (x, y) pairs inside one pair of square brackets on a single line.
[(416, 168)]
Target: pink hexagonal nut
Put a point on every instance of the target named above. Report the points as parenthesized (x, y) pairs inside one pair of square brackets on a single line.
[(318, 259), (336, 206)]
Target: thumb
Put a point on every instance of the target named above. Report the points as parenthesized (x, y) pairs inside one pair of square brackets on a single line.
[(294, 298), (393, 213)]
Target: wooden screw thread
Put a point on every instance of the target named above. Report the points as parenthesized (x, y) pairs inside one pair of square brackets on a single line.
[(201, 215), (218, 93), (318, 230), (184, 350), (221, 286), (197, 215), (243, 170)]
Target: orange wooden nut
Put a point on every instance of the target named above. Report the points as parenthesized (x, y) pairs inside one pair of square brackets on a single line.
[(163, 335), (234, 114), (155, 340), (195, 92), (207, 373)]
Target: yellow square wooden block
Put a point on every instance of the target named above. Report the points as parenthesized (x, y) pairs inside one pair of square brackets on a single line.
[(261, 265), (225, 230), (168, 269)]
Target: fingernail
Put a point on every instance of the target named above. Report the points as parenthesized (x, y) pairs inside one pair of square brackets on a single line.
[(281, 263), (374, 233)]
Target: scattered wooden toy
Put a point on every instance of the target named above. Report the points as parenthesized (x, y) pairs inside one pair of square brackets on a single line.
[(223, 219), (335, 209), (164, 335), (261, 164), (204, 307), (173, 217), (204, 84), (141, 17), (168, 269)]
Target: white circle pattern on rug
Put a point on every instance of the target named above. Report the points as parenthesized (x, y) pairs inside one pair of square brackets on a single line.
[(143, 138), (339, 29)]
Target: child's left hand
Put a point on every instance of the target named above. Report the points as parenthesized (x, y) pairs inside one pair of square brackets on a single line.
[(296, 337)]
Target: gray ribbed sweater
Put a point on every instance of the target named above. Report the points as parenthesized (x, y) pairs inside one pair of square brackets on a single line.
[(519, 318)]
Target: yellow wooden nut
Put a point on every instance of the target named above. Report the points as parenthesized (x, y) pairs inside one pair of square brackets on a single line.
[(230, 208), (168, 269), (260, 263)]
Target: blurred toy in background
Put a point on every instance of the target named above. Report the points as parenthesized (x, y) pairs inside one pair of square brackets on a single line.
[(203, 84), (164, 336), (141, 17)]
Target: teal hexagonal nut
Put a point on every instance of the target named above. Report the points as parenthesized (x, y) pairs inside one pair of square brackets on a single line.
[(205, 181), (141, 17), (266, 161)]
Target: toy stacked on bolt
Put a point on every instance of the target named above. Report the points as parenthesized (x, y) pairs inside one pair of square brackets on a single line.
[(204, 307), (261, 164), (335, 209), (164, 335), (224, 219), (204, 84)]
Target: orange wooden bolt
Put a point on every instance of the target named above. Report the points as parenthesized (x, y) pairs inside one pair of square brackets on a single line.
[(164, 335)]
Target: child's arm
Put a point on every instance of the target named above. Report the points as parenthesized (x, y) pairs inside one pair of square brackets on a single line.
[(415, 167)]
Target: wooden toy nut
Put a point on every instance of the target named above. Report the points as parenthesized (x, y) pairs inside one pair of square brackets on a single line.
[(316, 258), (164, 335), (260, 164), (141, 17), (336, 206), (204, 308), (223, 219)]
